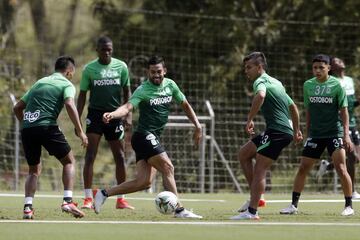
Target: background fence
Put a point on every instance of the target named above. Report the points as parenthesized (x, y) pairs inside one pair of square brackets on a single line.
[(206, 68)]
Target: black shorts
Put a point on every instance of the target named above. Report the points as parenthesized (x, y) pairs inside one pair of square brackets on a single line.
[(114, 130), (271, 142), (354, 136), (314, 147), (146, 145), (50, 137)]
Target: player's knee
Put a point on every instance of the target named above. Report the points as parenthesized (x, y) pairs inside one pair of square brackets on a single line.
[(145, 184), (304, 169), (168, 169), (341, 170), (35, 172), (90, 157)]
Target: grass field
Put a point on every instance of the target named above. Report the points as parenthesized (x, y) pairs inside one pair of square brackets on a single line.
[(319, 218)]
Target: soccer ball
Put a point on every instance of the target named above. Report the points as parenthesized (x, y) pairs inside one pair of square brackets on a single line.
[(166, 202)]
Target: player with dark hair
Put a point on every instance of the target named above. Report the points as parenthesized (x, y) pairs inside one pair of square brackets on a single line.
[(324, 98), (277, 108), (153, 98), (338, 71), (107, 79), (38, 111)]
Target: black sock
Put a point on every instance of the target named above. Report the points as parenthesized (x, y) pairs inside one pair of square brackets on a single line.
[(27, 205), (104, 192), (348, 202), (67, 199), (330, 167), (252, 210), (179, 209), (295, 198)]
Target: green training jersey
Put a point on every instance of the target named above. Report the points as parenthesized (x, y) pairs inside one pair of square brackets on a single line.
[(153, 102), (45, 99), (276, 103), (105, 83), (323, 101), (348, 84)]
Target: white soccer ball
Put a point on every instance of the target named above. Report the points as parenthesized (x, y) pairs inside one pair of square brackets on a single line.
[(166, 202)]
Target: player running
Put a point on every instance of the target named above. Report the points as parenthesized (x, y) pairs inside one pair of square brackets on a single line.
[(153, 98)]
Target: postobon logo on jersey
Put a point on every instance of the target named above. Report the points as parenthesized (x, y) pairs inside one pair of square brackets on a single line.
[(107, 82), (321, 99), (161, 100), (32, 117)]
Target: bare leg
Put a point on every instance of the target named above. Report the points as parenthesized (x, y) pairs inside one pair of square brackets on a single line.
[(68, 176), (338, 158), (144, 177), (164, 165), (90, 156), (259, 179), (300, 178), (31, 180), (246, 154), (117, 148)]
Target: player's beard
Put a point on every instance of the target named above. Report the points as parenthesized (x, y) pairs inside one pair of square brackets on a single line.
[(157, 80)]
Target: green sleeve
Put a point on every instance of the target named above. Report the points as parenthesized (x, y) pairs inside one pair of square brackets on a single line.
[(259, 85), (85, 80), (290, 101), (125, 79), (306, 97), (25, 98), (178, 95), (69, 91), (342, 97), (136, 97)]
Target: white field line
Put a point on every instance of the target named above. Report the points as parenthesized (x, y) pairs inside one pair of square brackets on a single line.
[(223, 223), (188, 200), (130, 198)]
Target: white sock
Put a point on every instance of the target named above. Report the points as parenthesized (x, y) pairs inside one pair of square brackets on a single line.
[(88, 193), (120, 196), (28, 200), (262, 196), (68, 194)]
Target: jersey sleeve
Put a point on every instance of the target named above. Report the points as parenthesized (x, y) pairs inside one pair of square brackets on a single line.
[(289, 99), (85, 80), (125, 79), (306, 96), (69, 91), (177, 94), (342, 97), (259, 85), (136, 97), (25, 98)]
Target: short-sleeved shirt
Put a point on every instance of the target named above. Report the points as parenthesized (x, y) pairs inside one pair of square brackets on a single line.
[(105, 83), (348, 84), (154, 102), (45, 99), (323, 102), (275, 108)]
